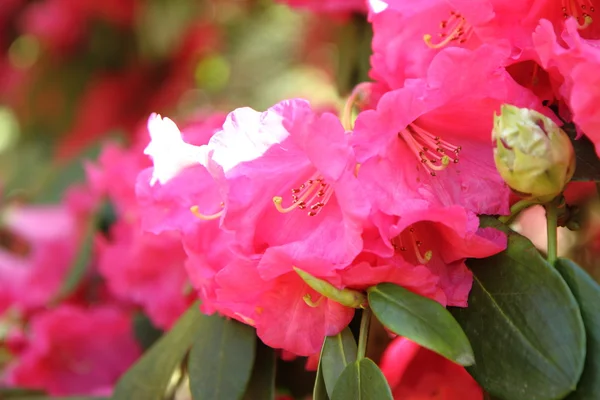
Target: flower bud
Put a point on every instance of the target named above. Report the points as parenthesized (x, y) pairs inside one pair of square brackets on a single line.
[(532, 154)]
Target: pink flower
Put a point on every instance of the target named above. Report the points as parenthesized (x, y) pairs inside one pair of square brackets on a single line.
[(427, 254), (572, 63), (428, 143), (242, 263), (146, 269), (75, 351), (141, 267), (416, 373), (178, 180), (259, 157), (43, 241), (328, 5)]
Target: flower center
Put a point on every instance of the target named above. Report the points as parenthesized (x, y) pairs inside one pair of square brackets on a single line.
[(581, 10), (434, 153), (313, 194), (454, 29), (409, 244)]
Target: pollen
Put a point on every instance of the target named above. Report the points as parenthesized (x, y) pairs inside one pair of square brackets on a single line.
[(312, 196), (433, 153), (581, 10), (455, 30)]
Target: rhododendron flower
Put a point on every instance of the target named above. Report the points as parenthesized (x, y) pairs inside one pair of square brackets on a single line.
[(573, 63), (429, 142), (72, 350), (427, 254), (42, 241), (328, 5), (290, 189), (416, 373), (142, 267), (178, 181), (246, 271)]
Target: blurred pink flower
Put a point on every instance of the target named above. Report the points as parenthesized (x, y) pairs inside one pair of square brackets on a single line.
[(416, 373), (140, 267), (74, 351), (41, 243)]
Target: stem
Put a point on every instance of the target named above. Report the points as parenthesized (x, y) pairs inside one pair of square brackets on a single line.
[(516, 209), (552, 225), (363, 336)]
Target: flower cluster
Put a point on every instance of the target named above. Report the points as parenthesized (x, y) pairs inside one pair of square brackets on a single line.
[(393, 197)]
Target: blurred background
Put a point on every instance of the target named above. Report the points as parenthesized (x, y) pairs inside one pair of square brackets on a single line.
[(73, 73)]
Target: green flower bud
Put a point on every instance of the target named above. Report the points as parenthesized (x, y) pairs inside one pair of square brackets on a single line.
[(532, 154)]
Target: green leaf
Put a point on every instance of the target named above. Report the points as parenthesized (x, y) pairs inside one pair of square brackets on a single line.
[(362, 380), (319, 390), (338, 351), (149, 377), (262, 380), (421, 320), (145, 332), (587, 293), (19, 393), (523, 323), (221, 359)]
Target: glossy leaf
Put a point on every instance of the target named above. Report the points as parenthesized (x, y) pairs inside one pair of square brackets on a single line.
[(338, 351), (587, 293), (262, 380), (362, 380), (145, 332), (421, 320), (523, 323), (149, 378), (221, 359), (319, 390)]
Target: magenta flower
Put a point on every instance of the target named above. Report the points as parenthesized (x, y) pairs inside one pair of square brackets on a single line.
[(428, 143), (572, 63), (42, 241), (75, 351), (144, 268), (290, 189)]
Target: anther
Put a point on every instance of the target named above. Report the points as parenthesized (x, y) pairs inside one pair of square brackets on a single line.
[(314, 193), (455, 28)]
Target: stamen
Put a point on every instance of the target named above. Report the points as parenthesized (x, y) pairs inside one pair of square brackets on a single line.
[(581, 10), (454, 29), (434, 153), (313, 194), (309, 301), (398, 244), (197, 214)]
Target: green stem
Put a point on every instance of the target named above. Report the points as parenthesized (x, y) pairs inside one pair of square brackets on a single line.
[(552, 226), (363, 336), (516, 209)]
